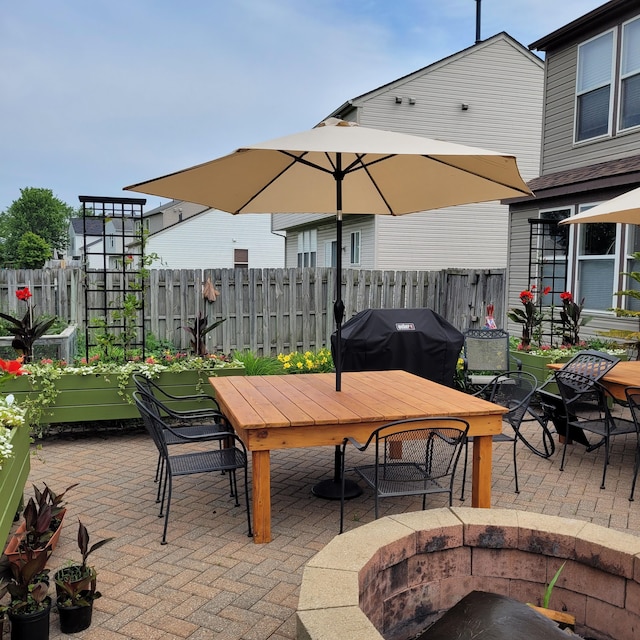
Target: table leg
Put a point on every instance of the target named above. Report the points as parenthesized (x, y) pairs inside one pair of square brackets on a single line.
[(261, 464), (481, 487)]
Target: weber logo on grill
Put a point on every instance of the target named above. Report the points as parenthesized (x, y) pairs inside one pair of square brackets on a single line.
[(405, 326)]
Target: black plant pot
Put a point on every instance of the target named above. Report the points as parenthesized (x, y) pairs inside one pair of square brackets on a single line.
[(75, 618), (31, 626)]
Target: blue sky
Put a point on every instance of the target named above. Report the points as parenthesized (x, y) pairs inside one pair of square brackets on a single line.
[(97, 94)]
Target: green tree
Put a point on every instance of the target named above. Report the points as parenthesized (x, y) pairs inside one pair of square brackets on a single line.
[(37, 211), (32, 252)]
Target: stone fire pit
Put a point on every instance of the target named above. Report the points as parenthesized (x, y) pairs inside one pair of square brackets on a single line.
[(392, 578)]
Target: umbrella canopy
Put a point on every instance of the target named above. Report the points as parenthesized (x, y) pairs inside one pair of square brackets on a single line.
[(342, 168), (624, 208)]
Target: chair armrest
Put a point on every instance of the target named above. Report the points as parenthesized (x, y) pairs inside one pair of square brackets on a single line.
[(517, 361), (218, 435)]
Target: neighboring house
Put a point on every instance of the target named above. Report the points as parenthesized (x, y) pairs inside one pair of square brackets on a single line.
[(169, 213), (590, 153), (488, 95), (102, 242), (212, 239)]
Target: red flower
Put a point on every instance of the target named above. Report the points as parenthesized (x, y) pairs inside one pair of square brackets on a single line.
[(566, 296), (23, 294), (546, 291), (13, 367), (526, 296)]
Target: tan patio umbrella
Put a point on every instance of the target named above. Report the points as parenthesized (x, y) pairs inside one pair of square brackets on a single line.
[(342, 168), (624, 208)]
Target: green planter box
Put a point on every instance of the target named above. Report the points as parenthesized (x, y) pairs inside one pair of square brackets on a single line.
[(13, 477), (89, 398)]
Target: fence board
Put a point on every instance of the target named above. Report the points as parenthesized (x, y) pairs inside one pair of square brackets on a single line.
[(269, 311)]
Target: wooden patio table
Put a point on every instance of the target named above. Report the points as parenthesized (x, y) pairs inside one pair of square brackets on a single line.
[(625, 373), (304, 410)]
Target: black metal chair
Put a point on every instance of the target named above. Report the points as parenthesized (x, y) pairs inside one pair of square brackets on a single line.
[(230, 458), (485, 355), (588, 406), (589, 363), (633, 402), (416, 456), (515, 390), (202, 421)]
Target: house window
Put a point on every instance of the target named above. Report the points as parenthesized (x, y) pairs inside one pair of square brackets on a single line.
[(596, 264), (354, 254), (633, 265), (630, 75), (307, 248), (331, 254), (241, 258), (593, 87)]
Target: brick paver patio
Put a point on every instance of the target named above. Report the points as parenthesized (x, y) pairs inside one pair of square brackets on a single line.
[(211, 580)]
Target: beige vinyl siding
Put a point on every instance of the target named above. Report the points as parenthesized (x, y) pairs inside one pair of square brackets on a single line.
[(518, 269), (559, 151), (208, 240), (502, 83)]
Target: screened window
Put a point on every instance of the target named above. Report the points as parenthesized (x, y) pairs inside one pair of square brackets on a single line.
[(596, 264), (630, 75), (307, 248), (331, 254), (354, 256), (633, 265), (593, 87)]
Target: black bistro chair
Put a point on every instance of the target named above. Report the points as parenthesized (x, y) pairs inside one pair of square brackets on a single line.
[(589, 407), (417, 456), (201, 421), (230, 458)]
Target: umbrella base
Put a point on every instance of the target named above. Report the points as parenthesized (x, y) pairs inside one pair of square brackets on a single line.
[(331, 490)]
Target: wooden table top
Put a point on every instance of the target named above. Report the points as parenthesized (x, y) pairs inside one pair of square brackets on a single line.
[(371, 397)]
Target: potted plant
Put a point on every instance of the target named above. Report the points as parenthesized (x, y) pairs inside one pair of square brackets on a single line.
[(76, 587), (41, 524), (29, 605)]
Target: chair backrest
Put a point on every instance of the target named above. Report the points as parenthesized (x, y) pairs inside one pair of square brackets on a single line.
[(151, 419), (486, 349), (591, 364), (633, 400), (580, 393), (431, 445), (514, 391)]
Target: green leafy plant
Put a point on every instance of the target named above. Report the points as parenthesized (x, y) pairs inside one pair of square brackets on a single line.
[(29, 583), (76, 583), (255, 365), (547, 592), (530, 316), (42, 516), (198, 332), (26, 330), (308, 361)]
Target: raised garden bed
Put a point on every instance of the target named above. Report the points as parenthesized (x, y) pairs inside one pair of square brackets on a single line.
[(94, 397), (13, 477)]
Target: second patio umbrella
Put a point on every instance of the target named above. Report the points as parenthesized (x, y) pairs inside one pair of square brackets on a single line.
[(344, 169), (624, 208)]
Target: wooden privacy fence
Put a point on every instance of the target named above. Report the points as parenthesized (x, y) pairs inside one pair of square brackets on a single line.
[(269, 311)]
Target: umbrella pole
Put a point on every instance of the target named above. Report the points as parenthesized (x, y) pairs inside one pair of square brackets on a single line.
[(338, 305)]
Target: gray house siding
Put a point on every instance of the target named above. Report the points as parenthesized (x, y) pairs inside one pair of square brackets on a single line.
[(559, 150), (501, 82)]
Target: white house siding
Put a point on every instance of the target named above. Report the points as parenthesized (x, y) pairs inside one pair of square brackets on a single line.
[(208, 240), (502, 84), (559, 151)]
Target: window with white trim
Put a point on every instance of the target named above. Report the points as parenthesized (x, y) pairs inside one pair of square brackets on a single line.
[(307, 248), (632, 265), (354, 252), (331, 253), (596, 263), (594, 98), (630, 75)]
